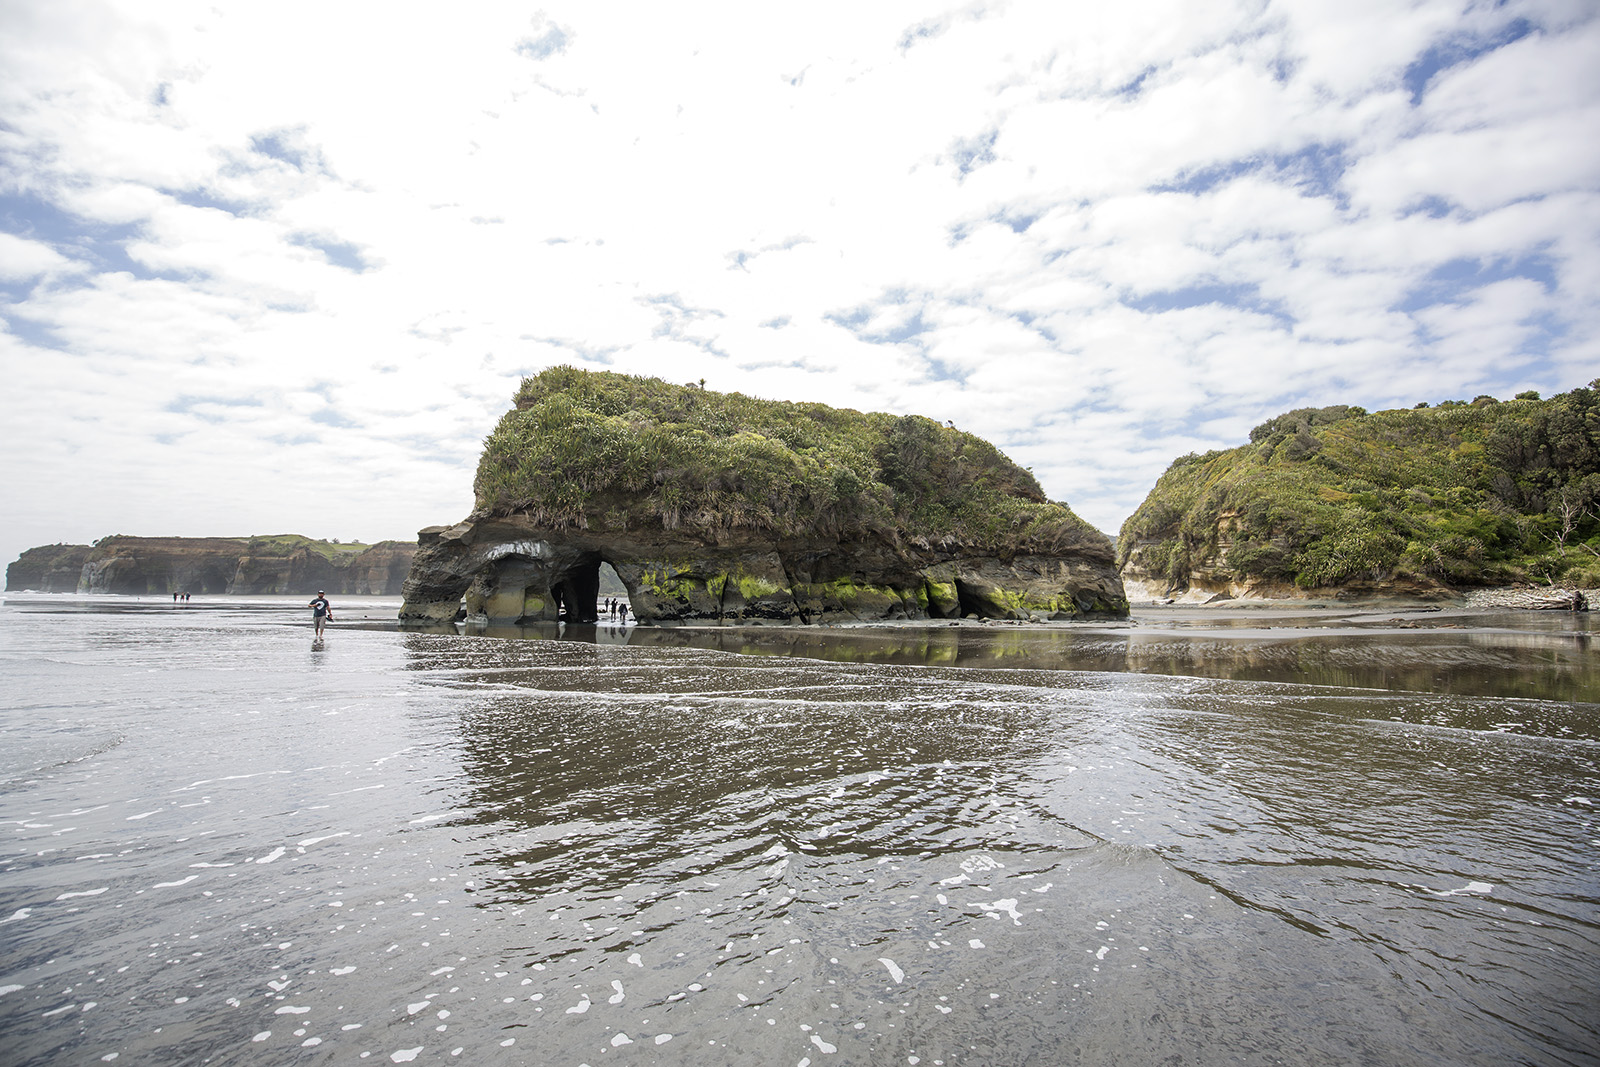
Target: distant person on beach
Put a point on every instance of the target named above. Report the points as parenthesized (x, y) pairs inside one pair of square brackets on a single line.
[(321, 612)]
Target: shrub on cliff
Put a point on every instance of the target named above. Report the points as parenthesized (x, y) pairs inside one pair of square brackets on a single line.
[(1460, 493), (584, 448)]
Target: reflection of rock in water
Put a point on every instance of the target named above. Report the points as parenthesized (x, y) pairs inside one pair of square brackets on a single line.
[(1545, 664), (764, 738)]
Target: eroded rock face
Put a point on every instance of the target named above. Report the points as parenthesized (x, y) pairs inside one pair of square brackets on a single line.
[(501, 570), (163, 565), (1209, 580), (48, 568)]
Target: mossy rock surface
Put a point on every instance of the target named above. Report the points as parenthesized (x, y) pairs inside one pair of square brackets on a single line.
[(722, 507)]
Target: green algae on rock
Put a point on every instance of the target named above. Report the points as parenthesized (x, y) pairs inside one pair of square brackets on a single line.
[(718, 506)]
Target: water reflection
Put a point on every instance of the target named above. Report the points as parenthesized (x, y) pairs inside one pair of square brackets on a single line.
[(1188, 850), (1535, 660)]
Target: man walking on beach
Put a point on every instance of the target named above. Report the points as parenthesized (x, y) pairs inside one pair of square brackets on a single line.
[(321, 612)]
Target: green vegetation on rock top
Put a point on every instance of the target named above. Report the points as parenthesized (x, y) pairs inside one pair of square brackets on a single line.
[(1462, 494), (594, 448), (339, 553)]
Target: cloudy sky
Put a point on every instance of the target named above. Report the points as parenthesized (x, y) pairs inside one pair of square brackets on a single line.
[(279, 267)]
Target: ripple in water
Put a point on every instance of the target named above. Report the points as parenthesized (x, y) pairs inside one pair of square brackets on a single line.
[(439, 849)]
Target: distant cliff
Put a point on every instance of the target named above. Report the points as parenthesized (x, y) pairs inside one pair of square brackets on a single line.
[(48, 568), (717, 506), (1331, 501), (286, 563)]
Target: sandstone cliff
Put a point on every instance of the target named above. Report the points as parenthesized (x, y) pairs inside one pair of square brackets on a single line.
[(715, 506), (48, 568), (287, 564)]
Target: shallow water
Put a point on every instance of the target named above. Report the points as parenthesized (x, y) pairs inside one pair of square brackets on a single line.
[(227, 847)]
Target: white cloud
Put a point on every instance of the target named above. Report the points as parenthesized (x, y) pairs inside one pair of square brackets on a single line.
[(281, 267), (21, 259)]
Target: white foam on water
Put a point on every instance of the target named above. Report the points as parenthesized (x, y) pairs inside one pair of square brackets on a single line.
[(508, 1042), (174, 885), (275, 854), (581, 1007), (210, 865), (894, 969), (412, 1009), (289, 1009), (4, 989), (342, 970), (823, 1045), (84, 893), (358, 789), (662, 1039), (975, 943), (617, 997), (633, 959), (17, 916), (1007, 905), (405, 1055), (621, 1039), (145, 814), (310, 1041), (308, 842), (262, 1036), (59, 1011), (351, 1026), (1100, 955)]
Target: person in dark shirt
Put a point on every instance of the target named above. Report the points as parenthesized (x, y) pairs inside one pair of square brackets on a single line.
[(321, 612)]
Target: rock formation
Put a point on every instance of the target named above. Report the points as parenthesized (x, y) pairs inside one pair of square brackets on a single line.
[(287, 564), (719, 507), (1331, 502), (48, 568)]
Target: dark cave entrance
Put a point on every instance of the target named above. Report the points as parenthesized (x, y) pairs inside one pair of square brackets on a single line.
[(968, 602), (578, 590)]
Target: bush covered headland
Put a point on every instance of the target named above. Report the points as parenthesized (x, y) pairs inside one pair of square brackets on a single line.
[(594, 449), (1474, 493)]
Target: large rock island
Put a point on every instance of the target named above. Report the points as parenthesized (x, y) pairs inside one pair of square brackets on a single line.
[(720, 507), (1334, 501), (284, 563)]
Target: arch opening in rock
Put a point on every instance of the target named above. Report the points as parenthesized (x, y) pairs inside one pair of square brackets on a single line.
[(576, 590)]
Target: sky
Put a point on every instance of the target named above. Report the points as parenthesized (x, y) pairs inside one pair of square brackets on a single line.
[(280, 267)]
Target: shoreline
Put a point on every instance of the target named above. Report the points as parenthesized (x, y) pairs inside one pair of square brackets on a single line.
[(1406, 611)]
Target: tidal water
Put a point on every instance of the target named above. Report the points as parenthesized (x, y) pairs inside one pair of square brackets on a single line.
[(1251, 839)]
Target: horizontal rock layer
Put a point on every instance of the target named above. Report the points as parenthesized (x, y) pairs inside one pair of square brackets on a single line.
[(165, 565), (503, 570)]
